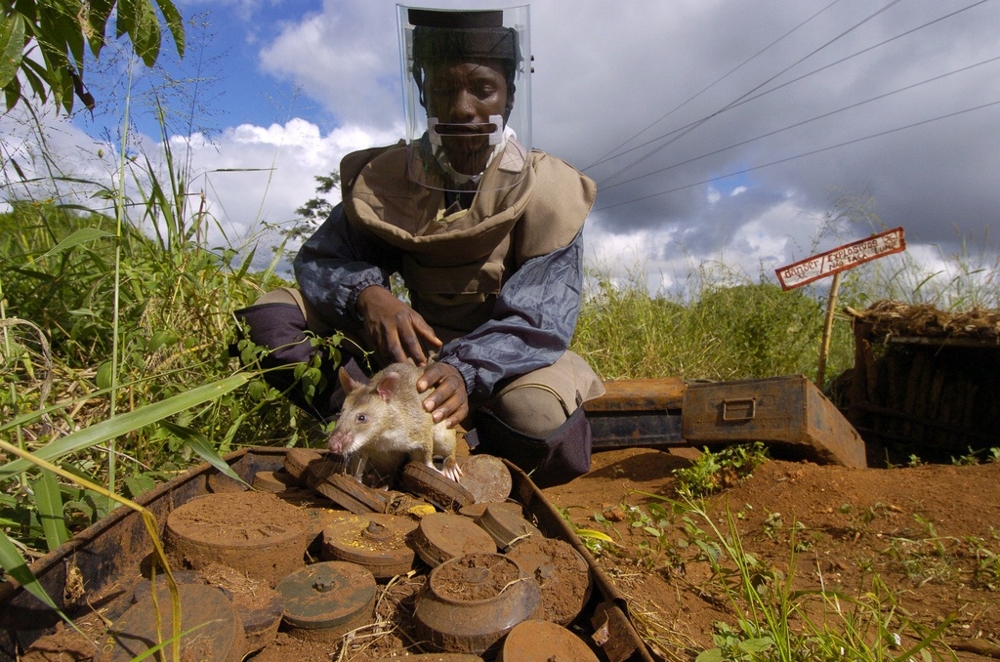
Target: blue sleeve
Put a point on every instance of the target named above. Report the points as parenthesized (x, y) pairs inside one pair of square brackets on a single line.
[(339, 261), (532, 325)]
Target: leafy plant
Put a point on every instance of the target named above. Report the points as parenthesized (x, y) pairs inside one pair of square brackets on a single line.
[(713, 471), (43, 41)]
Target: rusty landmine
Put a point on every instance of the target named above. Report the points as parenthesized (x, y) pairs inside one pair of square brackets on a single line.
[(472, 601), (542, 641), (476, 510), (326, 600), (506, 528), (443, 536), (274, 481), (255, 533), (258, 606), (377, 542), (486, 477), (217, 634), (144, 587), (297, 461), (351, 495), (560, 571), (220, 483), (432, 485), (435, 657)]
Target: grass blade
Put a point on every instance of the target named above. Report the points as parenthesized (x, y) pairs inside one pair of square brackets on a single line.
[(48, 500), (202, 446), (125, 423)]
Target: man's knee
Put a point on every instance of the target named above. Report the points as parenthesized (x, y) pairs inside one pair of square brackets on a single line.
[(536, 412)]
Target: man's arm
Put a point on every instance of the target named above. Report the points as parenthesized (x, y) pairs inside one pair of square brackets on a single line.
[(533, 322), (344, 273)]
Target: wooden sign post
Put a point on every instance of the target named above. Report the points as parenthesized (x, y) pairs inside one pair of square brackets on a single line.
[(834, 262)]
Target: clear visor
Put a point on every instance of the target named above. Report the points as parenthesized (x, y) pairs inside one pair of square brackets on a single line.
[(466, 95)]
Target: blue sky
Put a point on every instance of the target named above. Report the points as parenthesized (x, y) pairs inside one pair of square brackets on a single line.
[(813, 103)]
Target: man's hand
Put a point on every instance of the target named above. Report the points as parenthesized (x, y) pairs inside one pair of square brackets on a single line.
[(449, 402), (395, 331)]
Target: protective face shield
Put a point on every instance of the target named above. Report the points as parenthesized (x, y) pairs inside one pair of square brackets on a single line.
[(466, 94)]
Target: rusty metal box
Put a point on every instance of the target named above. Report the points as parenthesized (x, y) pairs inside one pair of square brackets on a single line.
[(788, 413)]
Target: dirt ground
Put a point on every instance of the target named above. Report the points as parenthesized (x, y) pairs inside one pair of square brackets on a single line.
[(928, 533)]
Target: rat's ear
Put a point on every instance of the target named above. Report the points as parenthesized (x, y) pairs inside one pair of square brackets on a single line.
[(347, 382), (388, 386)]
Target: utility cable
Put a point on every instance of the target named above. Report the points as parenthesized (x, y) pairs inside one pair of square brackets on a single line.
[(803, 122), (610, 154), (621, 171), (799, 156)]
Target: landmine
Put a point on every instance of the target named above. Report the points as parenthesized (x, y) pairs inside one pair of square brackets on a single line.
[(111, 555)]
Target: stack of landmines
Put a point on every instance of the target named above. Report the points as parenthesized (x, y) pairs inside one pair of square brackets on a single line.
[(491, 582)]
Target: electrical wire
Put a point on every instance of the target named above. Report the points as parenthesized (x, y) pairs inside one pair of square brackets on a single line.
[(610, 154), (804, 122), (799, 156), (870, 17)]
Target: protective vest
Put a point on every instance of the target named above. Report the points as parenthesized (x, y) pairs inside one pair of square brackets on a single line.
[(455, 260)]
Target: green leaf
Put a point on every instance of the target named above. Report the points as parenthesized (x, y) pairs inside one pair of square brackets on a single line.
[(81, 236), (711, 655), (48, 500), (15, 566), (756, 645), (125, 423), (174, 23), (202, 446), (11, 47)]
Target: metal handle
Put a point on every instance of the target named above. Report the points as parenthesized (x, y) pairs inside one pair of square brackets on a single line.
[(746, 409)]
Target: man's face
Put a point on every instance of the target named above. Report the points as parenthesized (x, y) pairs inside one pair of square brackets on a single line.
[(462, 96)]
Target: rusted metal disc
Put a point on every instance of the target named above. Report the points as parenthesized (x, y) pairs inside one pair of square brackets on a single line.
[(258, 606), (542, 641), (434, 657), (144, 587), (430, 484), (253, 532), (324, 601), (443, 536), (217, 636), (220, 483), (477, 509), (560, 571), (506, 527), (472, 601), (273, 481), (487, 477), (377, 542), (351, 495), (298, 460), (320, 469)]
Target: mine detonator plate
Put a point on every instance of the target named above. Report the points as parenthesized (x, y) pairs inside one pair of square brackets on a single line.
[(328, 599), (253, 532), (435, 487), (788, 413), (377, 542), (541, 641), (470, 602), (443, 536), (506, 527), (486, 477), (560, 571), (217, 636)]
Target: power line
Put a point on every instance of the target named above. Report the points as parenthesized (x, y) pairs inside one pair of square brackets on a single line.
[(799, 156), (611, 153), (804, 122), (891, 4)]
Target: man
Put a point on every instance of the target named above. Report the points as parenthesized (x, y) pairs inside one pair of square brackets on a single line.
[(487, 236)]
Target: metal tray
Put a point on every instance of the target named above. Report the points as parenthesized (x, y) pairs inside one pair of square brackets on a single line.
[(108, 556)]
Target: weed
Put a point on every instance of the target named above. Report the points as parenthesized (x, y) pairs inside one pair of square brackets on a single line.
[(714, 471)]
